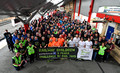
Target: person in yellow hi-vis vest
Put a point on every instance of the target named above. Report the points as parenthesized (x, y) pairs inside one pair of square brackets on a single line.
[(101, 52), (17, 61), (31, 52)]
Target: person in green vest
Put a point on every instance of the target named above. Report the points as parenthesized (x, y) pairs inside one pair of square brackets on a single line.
[(17, 61), (93, 29), (23, 41), (101, 52), (16, 46), (55, 32), (31, 52), (22, 49)]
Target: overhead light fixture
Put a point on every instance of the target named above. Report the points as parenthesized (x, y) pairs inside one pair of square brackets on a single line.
[(54, 1), (60, 4)]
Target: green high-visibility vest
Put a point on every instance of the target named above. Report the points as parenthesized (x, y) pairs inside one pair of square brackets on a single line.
[(93, 29), (17, 60), (79, 30), (16, 46), (23, 42), (31, 50), (55, 32), (102, 50), (15, 50)]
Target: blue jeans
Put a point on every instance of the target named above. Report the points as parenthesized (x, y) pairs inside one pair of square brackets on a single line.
[(94, 55)]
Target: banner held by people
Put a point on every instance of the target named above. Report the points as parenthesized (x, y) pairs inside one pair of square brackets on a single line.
[(85, 54)]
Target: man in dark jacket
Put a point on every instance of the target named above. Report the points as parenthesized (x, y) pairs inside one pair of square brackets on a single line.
[(6, 35), (110, 47)]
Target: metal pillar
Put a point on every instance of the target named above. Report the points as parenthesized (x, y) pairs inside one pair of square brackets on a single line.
[(21, 20), (32, 16), (74, 9), (90, 11), (79, 7)]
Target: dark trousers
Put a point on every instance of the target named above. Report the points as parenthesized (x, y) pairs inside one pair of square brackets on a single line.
[(24, 56), (101, 58), (31, 58), (106, 56), (35, 55), (10, 46), (94, 55), (19, 67)]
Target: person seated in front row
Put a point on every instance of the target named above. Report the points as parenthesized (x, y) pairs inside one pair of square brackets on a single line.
[(52, 37), (50, 43), (56, 43), (17, 61)]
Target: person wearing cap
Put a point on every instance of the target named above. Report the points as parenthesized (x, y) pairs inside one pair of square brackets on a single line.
[(17, 61)]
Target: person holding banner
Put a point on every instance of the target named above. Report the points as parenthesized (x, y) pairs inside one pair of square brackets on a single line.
[(43, 43), (71, 42), (88, 44), (101, 52), (95, 48), (76, 40), (81, 45)]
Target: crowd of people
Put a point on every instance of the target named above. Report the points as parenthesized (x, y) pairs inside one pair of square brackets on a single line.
[(56, 32)]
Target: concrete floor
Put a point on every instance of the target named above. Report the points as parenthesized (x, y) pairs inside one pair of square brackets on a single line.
[(60, 66)]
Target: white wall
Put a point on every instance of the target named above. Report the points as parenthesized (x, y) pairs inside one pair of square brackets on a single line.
[(80, 17), (37, 16), (100, 27)]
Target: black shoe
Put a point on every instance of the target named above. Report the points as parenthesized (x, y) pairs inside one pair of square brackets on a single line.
[(22, 67)]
